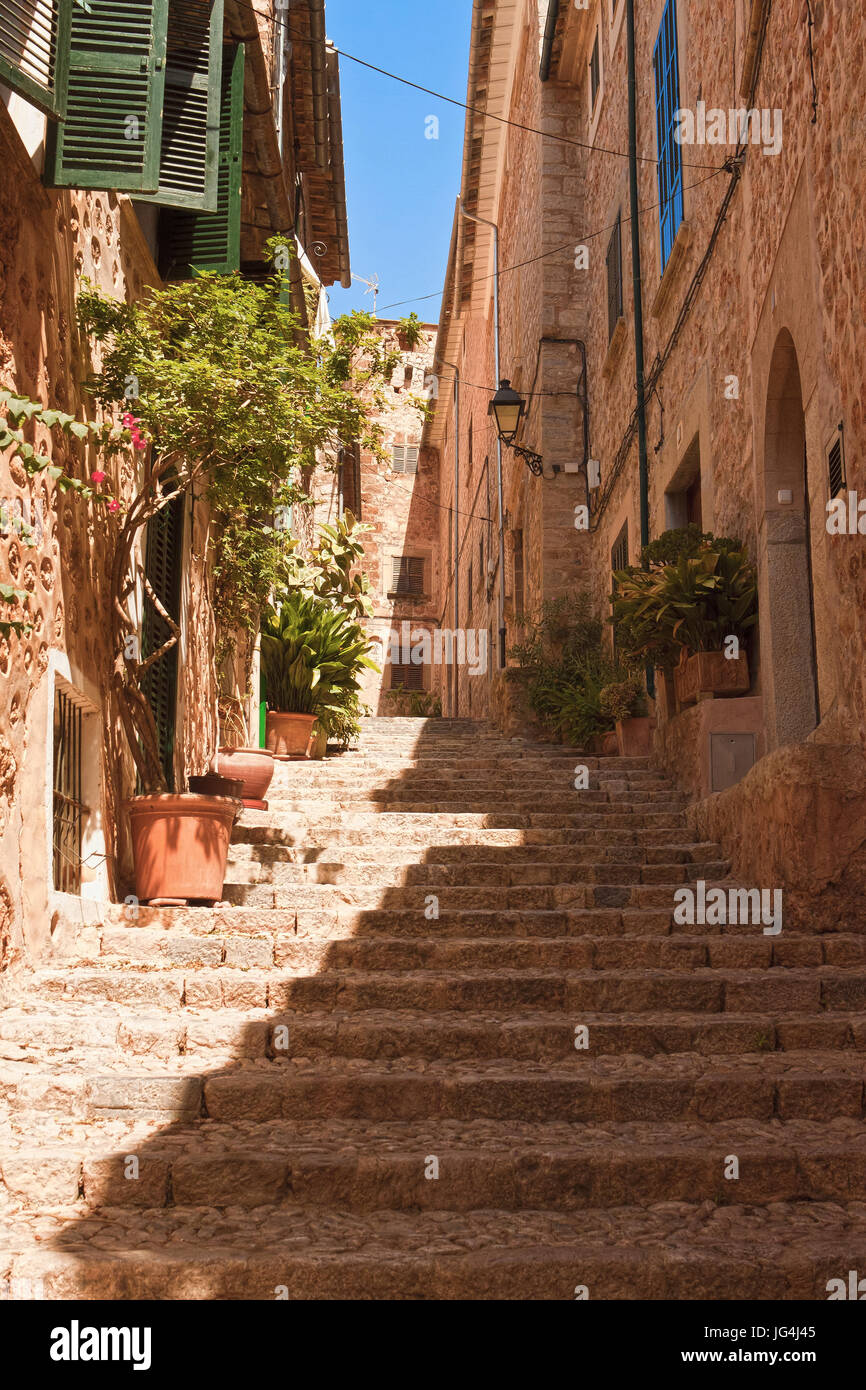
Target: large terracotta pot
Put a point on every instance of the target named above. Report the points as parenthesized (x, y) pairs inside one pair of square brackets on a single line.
[(711, 673), (633, 737), (254, 767), (288, 735), (180, 844)]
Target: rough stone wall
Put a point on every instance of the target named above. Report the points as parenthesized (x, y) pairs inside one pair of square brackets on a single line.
[(786, 259), (540, 212), (49, 241)]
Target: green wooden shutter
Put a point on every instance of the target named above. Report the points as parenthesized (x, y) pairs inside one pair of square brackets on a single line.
[(163, 560), (212, 240), (191, 107), (34, 49), (110, 135)]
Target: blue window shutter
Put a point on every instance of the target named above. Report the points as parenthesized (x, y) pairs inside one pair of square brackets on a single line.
[(670, 167)]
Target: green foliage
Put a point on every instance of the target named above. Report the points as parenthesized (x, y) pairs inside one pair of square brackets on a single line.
[(341, 718), (411, 330), (689, 540), (566, 669), (13, 597), (311, 653), (422, 704), (623, 699), (329, 570), (692, 604)]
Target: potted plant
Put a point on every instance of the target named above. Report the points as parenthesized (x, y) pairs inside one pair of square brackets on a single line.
[(625, 702), (692, 615), (236, 758), (311, 651)]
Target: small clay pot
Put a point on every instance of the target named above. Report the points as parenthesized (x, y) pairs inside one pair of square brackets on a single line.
[(288, 735), (254, 766), (212, 784)]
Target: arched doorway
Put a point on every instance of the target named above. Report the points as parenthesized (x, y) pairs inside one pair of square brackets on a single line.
[(787, 617)]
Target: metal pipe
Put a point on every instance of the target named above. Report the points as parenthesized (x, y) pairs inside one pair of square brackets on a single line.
[(455, 567), (547, 41), (637, 291), (496, 364)]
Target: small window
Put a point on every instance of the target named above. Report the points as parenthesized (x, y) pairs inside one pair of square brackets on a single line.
[(470, 447), (409, 677), (670, 167), (469, 589), (614, 277), (408, 574), (595, 71), (836, 464), (619, 552), (518, 573), (481, 558), (404, 458), (69, 808)]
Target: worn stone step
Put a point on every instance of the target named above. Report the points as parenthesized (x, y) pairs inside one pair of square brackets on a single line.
[(482, 1164), (681, 952), (335, 856), (678, 1250), (466, 875)]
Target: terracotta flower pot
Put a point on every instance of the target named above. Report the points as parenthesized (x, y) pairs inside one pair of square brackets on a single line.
[(254, 767), (634, 737), (180, 844), (288, 735), (212, 784), (711, 673)]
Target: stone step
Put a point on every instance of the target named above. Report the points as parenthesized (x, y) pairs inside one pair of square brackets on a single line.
[(334, 856), (156, 947), (809, 1085), (78, 1035), (484, 899), (244, 869), (482, 1164), (697, 990), (313, 817), (259, 828), (678, 1250)]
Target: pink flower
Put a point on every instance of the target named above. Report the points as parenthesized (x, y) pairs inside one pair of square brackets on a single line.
[(128, 420), (114, 505), (97, 477), (140, 443)]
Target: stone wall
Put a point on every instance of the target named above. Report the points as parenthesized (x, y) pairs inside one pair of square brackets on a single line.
[(49, 241)]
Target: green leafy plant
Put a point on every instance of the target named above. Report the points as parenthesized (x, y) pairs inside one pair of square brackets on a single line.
[(623, 699), (693, 604), (231, 397), (421, 704), (566, 668), (311, 653), (411, 330)]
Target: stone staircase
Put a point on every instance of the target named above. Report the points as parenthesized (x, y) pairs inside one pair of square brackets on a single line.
[(358, 1077)]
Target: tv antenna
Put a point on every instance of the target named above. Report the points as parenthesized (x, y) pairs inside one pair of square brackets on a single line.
[(372, 287)]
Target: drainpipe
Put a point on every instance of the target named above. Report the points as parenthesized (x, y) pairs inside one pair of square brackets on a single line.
[(455, 578), (501, 606), (637, 292), (547, 41)]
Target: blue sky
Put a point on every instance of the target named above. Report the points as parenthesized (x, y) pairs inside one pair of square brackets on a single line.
[(400, 186)]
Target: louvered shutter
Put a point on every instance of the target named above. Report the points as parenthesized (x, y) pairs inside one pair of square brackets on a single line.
[(404, 458), (163, 554), (110, 134), (34, 48), (212, 240), (408, 574), (191, 107), (409, 677)]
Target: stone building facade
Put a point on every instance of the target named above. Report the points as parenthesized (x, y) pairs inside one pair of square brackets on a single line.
[(55, 677), (753, 300), (397, 497)]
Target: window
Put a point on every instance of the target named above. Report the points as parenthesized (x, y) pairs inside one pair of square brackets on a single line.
[(469, 589), (350, 479), (619, 552), (836, 464), (69, 809), (212, 241), (408, 574), (34, 48), (450, 535), (404, 458), (670, 169), (481, 559), (409, 677), (614, 277), (138, 95), (518, 573), (595, 71), (470, 446)]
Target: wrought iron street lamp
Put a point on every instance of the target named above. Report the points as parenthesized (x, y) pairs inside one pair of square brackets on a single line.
[(508, 409)]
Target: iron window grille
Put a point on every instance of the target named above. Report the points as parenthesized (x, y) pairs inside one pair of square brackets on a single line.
[(69, 809)]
